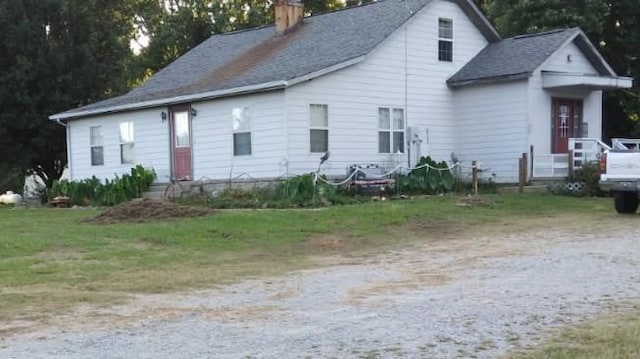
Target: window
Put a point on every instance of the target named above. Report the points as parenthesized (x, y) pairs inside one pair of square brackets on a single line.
[(181, 129), (445, 40), (97, 146), (390, 130), (241, 131), (127, 152), (319, 128)]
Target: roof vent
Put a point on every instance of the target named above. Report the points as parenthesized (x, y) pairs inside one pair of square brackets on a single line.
[(289, 13)]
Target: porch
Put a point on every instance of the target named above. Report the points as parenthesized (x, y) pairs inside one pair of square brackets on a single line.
[(580, 151)]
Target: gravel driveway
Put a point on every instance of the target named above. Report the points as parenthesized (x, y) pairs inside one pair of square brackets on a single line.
[(472, 296)]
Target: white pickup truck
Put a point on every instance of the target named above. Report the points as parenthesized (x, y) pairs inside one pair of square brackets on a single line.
[(620, 174)]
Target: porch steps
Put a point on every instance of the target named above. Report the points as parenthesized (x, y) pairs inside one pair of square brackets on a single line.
[(168, 191), (156, 191)]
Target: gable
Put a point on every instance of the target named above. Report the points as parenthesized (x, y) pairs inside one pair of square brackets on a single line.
[(569, 58), (517, 57), (510, 59)]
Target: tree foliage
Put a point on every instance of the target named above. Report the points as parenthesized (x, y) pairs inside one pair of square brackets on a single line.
[(611, 26), (56, 55)]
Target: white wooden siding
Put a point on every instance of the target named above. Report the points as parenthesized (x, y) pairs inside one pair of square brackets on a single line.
[(386, 78), (559, 61), (151, 145), (213, 138), (491, 128)]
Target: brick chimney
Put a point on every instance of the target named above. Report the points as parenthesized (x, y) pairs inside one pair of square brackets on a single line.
[(289, 13)]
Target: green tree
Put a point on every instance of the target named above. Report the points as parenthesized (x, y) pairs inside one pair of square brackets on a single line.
[(351, 3), (172, 27), (318, 6), (56, 55), (611, 26)]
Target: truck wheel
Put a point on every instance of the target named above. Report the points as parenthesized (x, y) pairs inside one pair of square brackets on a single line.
[(626, 202)]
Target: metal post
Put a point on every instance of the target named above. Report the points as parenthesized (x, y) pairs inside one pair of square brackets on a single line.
[(474, 177)]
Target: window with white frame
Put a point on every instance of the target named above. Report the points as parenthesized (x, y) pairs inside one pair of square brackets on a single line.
[(390, 130), (445, 40), (241, 131), (97, 145), (127, 151), (319, 128)]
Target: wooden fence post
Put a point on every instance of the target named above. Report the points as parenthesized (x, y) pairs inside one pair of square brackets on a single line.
[(520, 175), (474, 177), (525, 174), (570, 164), (531, 156)]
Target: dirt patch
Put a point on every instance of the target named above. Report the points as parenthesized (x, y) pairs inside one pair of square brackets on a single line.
[(471, 201), (326, 243), (146, 210)]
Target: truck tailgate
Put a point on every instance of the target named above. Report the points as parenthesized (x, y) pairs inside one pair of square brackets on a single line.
[(623, 165)]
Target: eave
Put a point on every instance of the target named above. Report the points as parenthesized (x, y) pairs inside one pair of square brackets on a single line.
[(590, 82)]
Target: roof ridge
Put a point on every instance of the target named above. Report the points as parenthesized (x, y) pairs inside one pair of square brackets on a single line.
[(239, 31), (327, 12), (549, 32)]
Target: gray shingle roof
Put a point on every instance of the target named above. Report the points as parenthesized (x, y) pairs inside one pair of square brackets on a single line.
[(516, 57), (258, 56)]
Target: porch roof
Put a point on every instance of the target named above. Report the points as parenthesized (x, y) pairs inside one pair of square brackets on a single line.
[(590, 82)]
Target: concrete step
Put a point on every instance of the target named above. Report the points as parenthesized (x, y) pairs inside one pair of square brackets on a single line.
[(156, 191), (167, 191), (527, 189), (546, 181), (157, 195)]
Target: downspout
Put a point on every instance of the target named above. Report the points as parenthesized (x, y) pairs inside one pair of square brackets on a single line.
[(59, 122), (406, 92), (68, 138)]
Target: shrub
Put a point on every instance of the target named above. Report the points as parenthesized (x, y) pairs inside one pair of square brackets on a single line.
[(299, 189), (92, 192), (294, 192), (589, 176), (433, 177), (584, 182)]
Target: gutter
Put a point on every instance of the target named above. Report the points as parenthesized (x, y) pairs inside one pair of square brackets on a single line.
[(68, 138), (274, 85), (489, 80)]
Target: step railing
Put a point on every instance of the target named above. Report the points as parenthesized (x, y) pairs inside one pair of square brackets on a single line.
[(585, 150), (557, 165), (551, 165)]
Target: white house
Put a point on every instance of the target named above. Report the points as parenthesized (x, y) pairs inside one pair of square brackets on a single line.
[(381, 83)]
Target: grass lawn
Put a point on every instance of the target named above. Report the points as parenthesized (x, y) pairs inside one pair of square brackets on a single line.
[(613, 337), (51, 261)]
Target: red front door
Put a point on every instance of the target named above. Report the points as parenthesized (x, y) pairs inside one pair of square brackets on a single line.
[(564, 123), (181, 143)]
